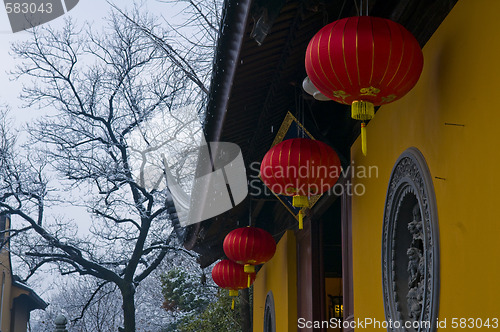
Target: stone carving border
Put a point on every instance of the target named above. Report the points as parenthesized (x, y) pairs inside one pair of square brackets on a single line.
[(411, 176), (269, 313)]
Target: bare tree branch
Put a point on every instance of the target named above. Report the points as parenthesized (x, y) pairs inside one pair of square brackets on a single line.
[(91, 298)]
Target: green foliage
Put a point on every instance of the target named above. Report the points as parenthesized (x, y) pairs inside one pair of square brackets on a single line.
[(183, 292), (196, 304), (217, 317)]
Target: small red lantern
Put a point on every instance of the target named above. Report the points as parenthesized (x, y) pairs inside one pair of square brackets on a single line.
[(300, 167), (364, 61), (249, 246), (230, 275)]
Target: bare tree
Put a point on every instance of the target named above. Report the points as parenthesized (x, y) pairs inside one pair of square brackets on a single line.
[(116, 101), (89, 304)]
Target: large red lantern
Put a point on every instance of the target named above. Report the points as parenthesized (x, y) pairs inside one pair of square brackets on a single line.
[(231, 276), (249, 246), (300, 167), (364, 61)]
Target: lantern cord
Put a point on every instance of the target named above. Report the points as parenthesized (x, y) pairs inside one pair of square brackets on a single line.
[(363, 138), (357, 8), (250, 212), (249, 280), (360, 8), (232, 304), (303, 114), (341, 10), (326, 18), (296, 104)]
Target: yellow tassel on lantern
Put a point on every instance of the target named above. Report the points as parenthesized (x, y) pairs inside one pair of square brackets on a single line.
[(233, 293), (248, 268), (301, 219), (363, 138), (363, 111), (300, 202)]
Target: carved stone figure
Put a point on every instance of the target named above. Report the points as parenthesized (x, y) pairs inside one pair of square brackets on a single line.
[(415, 226), (415, 266), (414, 299)]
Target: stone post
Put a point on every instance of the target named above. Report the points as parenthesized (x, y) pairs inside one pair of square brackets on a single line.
[(60, 323)]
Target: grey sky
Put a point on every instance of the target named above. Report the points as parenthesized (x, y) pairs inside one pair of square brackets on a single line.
[(87, 10)]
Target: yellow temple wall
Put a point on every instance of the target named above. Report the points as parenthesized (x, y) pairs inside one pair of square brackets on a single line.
[(451, 117)]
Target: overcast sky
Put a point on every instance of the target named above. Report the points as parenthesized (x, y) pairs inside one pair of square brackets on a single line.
[(87, 10), (10, 90)]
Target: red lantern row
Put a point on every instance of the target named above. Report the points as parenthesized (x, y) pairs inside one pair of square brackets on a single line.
[(245, 247), (362, 61)]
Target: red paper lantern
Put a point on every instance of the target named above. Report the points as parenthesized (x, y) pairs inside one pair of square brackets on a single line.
[(249, 246), (231, 276), (300, 167), (364, 61)]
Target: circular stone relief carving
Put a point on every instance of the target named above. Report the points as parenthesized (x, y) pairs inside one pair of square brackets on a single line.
[(410, 246)]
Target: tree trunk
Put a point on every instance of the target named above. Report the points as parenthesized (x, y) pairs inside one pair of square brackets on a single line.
[(128, 295), (246, 320)]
